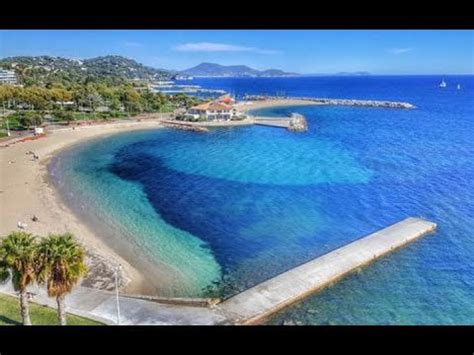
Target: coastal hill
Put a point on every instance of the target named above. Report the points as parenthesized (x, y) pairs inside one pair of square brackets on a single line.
[(111, 69), (115, 70), (217, 70)]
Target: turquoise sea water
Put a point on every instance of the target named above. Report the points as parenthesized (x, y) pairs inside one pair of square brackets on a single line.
[(243, 204)]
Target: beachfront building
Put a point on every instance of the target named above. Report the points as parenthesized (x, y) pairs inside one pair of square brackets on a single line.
[(7, 77), (212, 111), (220, 109)]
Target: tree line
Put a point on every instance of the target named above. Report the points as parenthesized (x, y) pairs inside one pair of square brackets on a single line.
[(90, 96), (56, 261)]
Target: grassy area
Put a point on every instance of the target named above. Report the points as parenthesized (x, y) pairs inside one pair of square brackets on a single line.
[(40, 315)]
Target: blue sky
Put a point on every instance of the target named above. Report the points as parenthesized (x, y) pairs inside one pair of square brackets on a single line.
[(318, 51)]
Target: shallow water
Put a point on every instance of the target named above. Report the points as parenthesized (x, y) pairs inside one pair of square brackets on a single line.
[(247, 203)]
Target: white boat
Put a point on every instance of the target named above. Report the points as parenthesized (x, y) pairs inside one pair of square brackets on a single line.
[(459, 87), (442, 84)]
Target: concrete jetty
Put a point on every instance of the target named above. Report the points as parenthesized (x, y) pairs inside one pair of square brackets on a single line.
[(188, 125), (255, 304), (272, 122), (296, 122)]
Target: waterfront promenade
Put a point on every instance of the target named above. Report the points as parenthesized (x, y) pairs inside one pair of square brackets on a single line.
[(253, 305), (101, 306)]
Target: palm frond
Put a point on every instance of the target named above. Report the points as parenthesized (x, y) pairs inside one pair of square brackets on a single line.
[(18, 258), (62, 263)]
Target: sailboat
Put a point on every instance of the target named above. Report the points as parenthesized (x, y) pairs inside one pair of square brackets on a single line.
[(459, 87), (442, 84)]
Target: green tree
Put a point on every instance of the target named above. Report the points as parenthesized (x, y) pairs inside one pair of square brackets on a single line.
[(87, 96), (58, 93), (28, 119), (18, 257), (131, 100), (7, 93), (61, 266), (37, 97)]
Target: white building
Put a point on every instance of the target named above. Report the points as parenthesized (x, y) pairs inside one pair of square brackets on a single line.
[(7, 77), (211, 111)]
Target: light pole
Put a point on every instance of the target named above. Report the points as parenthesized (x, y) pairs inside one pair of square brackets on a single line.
[(116, 270), (6, 120)]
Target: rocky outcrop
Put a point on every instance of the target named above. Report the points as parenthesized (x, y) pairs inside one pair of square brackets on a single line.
[(366, 103), (101, 273), (297, 123)]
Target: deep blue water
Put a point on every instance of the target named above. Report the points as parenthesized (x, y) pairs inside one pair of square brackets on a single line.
[(244, 204)]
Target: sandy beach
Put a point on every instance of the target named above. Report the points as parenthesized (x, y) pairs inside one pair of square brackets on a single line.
[(25, 191)]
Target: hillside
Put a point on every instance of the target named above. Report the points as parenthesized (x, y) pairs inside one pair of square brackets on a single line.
[(217, 70), (111, 69)]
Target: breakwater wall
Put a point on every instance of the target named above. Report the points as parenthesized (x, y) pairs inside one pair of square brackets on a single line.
[(337, 102)]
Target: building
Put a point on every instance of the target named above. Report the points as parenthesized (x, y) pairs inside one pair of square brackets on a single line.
[(183, 77), (210, 111), (39, 130), (226, 99), (7, 77)]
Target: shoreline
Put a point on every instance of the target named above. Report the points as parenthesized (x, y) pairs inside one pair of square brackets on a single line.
[(27, 190)]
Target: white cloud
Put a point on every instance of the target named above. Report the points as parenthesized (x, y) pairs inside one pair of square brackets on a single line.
[(219, 47), (399, 50)]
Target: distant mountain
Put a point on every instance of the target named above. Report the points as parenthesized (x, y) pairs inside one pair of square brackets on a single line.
[(112, 69), (217, 70)]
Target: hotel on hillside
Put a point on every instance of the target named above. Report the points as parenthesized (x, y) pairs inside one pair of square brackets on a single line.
[(7, 77)]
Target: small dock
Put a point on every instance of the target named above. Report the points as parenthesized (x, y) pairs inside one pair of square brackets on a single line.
[(276, 122), (257, 303), (296, 122)]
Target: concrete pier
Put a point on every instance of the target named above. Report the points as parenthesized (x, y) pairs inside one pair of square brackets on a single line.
[(272, 122), (257, 303), (296, 122)]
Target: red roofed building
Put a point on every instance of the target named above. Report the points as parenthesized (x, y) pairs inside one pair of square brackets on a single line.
[(214, 110), (226, 99)]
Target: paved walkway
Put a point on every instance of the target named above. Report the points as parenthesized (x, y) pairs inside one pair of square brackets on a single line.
[(101, 305)]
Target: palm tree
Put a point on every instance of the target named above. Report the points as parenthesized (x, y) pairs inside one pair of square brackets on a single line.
[(62, 264), (18, 256)]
